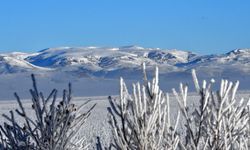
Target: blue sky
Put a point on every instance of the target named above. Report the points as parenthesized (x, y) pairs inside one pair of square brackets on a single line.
[(202, 26)]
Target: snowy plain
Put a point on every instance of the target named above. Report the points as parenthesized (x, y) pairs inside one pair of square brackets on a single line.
[(97, 124)]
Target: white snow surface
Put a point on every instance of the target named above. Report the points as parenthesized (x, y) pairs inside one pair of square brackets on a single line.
[(97, 124)]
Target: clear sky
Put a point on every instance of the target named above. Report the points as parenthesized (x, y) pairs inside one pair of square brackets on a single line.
[(202, 26)]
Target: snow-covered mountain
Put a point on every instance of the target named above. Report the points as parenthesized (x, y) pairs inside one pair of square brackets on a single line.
[(108, 61), (112, 62)]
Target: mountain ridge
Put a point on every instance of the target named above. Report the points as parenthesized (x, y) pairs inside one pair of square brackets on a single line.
[(112, 62)]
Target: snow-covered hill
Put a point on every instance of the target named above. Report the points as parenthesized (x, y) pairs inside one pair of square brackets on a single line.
[(109, 62), (101, 67), (112, 62), (14, 63)]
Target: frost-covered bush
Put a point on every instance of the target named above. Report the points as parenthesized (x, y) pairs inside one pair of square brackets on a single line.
[(55, 126), (221, 121), (141, 120)]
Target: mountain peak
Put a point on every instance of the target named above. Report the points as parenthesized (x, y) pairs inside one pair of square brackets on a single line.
[(239, 51), (132, 47)]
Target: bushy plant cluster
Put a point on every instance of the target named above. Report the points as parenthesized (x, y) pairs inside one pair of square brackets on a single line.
[(139, 121), (54, 127), (144, 118), (221, 121)]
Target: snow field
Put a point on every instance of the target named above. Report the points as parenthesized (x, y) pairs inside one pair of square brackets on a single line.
[(97, 124)]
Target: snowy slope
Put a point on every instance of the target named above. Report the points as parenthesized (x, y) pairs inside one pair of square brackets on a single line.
[(14, 63), (108, 57), (234, 63), (109, 61)]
